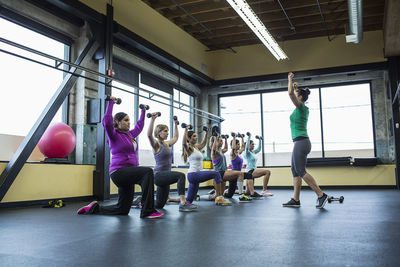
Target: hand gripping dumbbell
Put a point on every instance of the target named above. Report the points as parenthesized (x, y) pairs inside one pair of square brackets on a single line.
[(142, 106), (240, 135), (248, 134), (340, 199), (233, 134), (215, 131), (118, 100), (225, 136), (175, 118), (259, 137), (205, 128), (149, 115), (183, 125)]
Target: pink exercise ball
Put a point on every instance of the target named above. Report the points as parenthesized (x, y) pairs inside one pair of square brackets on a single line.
[(57, 141)]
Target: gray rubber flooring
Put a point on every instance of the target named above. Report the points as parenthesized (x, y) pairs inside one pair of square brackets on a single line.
[(363, 231)]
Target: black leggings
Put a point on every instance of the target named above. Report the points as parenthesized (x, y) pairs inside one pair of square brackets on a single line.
[(233, 184), (163, 180), (125, 179)]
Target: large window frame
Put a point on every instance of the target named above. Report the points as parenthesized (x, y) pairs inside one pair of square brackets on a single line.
[(318, 87)]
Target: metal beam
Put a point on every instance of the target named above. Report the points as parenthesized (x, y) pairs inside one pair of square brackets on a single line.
[(28, 144), (101, 178)]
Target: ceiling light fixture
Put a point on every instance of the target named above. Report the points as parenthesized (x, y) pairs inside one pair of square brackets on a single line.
[(250, 18)]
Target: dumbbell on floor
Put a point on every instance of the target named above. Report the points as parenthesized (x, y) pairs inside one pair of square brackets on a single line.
[(149, 115), (331, 198)]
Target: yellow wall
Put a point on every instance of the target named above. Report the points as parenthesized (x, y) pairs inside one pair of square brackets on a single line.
[(150, 25), (305, 54), (53, 181)]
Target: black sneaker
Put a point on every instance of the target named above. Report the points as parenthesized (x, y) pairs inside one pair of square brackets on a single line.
[(256, 196), (321, 201), (292, 203), (244, 198)]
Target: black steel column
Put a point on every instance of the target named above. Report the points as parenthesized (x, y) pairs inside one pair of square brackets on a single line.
[(28, 144), (394, 78), (101, 178)]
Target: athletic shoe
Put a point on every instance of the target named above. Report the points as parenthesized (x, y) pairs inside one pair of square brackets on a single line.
[(88, 208), (187, 206), (266, 193), (211, 192), (321, 201), (256, 196), (137, 202), (154, 215), (292, 203), (244, 198), (221, 201)]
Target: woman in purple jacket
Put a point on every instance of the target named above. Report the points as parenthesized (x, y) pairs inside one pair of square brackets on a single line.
[(124, 169)]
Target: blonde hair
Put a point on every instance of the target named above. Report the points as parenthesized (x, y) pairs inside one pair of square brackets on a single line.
[(159, 128)]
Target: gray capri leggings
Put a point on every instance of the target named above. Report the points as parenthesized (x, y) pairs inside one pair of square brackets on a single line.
[(301, 149)]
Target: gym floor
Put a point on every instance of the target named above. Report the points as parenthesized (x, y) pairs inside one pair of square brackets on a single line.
[(362, 231)]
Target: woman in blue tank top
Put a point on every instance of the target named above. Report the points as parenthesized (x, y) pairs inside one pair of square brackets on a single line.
[(163, 176)]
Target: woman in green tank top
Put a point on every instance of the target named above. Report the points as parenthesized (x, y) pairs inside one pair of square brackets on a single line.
[(302, 145)]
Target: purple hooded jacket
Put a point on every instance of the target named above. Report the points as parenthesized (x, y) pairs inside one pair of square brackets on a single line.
[(123, 151)]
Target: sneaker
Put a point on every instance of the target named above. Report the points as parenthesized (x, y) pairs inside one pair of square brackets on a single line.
[(88, 208), (154, 215), (211, 192), (187, 206), (321, 201), (244, 198), (292, 203), (221, 201), (256, 196), (137, 202), (266, 193)]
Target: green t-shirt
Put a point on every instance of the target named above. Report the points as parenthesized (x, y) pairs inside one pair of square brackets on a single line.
[(298, 121)]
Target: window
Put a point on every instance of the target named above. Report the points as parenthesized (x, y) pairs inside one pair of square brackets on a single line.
[(183, 117), (25, 83), (347, 121), (347, 128), (242, 114)]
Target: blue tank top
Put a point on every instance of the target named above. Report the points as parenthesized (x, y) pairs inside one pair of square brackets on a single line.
[(163, 159), (220, 163), (237, 163)]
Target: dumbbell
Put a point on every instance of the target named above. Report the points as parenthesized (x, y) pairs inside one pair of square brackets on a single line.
[(215, 130), (149, 115), (248, 133), (183, 125), (225, 136), (240, 135), (205, 128), (141, 106), (118, 100), (340, 199), (233, 134), (258, 137), (175, 118)]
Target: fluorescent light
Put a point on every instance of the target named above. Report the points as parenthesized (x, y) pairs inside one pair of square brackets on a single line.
[(250, 18)]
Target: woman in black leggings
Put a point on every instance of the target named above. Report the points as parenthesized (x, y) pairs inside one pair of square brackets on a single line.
[(124, 169)]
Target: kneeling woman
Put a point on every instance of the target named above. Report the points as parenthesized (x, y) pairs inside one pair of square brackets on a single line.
[(163, 176), (191, 152), (219, 162), (124, 169)]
